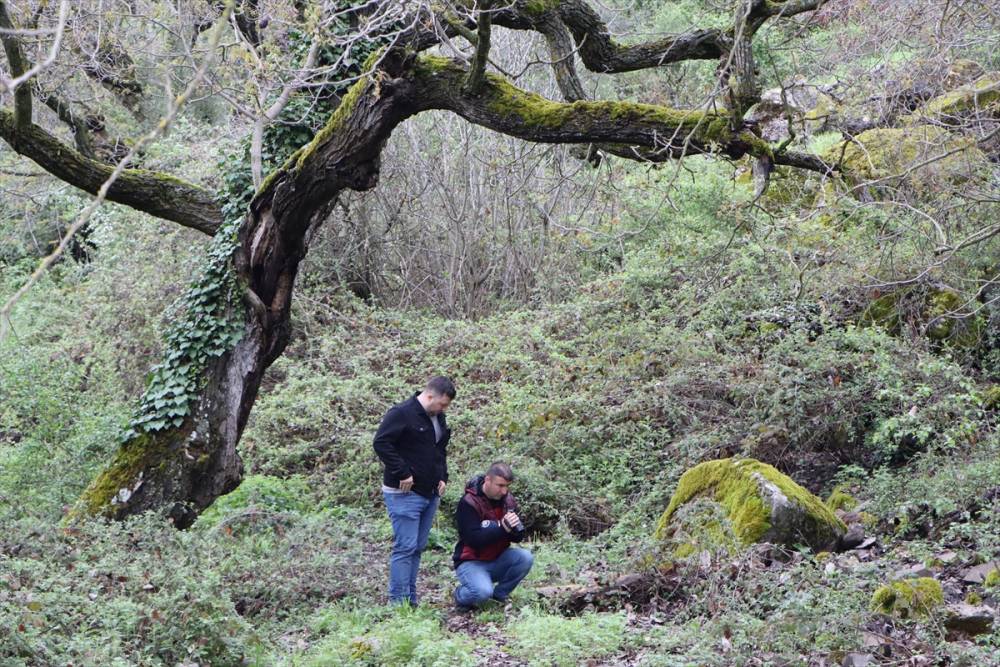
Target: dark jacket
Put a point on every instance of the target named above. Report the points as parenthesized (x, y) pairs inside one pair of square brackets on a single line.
[(405, 443), (480, 535)]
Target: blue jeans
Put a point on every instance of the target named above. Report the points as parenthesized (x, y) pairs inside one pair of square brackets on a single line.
[(476, 577), (411, 515)]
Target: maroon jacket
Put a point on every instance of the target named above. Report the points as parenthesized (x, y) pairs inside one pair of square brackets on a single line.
[(480, 535)]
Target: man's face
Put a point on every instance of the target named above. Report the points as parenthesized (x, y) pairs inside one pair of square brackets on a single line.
[(437, 403), (496, 487)]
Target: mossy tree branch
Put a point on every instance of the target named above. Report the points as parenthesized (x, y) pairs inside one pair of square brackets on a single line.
[(503, 107), (478, 70), (151, 192)]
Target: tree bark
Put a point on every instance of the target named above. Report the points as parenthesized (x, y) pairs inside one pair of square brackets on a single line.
[(152, 192)]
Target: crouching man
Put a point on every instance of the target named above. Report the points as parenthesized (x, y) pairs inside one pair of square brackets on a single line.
[(487, 524)]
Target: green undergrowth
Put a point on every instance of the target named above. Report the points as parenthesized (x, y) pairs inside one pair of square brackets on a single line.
[(543, 639), (365, 637)]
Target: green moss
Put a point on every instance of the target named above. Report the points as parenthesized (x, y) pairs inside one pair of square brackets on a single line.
[(981, 94), (992, 579), (701, 525), (841, 500), (159, 177), (887, 152), (132, 457), (338, 117), (973, 598), (908, 597), (296, 160), (944, 326), (884, 312), (735, 484), (538, 7), (991, 398), (532, 110), (937, 308)]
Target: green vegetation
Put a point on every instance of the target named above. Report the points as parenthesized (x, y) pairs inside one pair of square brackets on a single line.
[(543, 639), (680, 346), (909, 597)]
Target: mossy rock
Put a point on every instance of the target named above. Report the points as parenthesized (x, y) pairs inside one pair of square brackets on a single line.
[(888, 152), (963, 332), (841, 500), (732, 503), (933, 307), (700, 525), (992, 579), (991, 398), (908, 598), (981, 95)]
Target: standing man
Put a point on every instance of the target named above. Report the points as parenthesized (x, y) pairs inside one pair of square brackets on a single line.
[(412, 443), (487, 523)]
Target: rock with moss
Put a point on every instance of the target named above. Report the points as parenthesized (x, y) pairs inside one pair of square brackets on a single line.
[(729, 504), (918, 154), (980, 96), (940, 311), (908, 598), (992, 579), (841, 500), (991, 397), (962, 72)]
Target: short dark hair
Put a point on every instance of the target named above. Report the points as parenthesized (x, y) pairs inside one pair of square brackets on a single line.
[(501, 469), (441, 386)]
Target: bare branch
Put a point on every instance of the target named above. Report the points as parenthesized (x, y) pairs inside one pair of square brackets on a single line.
[(19, 79)]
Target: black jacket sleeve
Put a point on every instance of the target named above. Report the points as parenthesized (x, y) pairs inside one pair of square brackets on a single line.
[(472, 531), (388, 434), (444, 455)]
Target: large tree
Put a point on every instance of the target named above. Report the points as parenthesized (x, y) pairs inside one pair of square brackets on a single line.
[(181, 451)]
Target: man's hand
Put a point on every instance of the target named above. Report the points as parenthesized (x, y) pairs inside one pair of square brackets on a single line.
[(406, 484), (510, 522), (441, 485)]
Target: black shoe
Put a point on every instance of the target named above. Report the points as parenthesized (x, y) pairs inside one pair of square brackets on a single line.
[(461, 608)]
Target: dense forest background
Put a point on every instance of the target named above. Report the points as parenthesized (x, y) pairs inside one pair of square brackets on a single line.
[(609, 323)]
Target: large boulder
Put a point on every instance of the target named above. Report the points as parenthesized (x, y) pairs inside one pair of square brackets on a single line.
[(919, 155), (728, 504), (980, 96), (938, 311)]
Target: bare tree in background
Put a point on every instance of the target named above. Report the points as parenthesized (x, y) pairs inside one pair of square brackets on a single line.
[(437, 57)]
